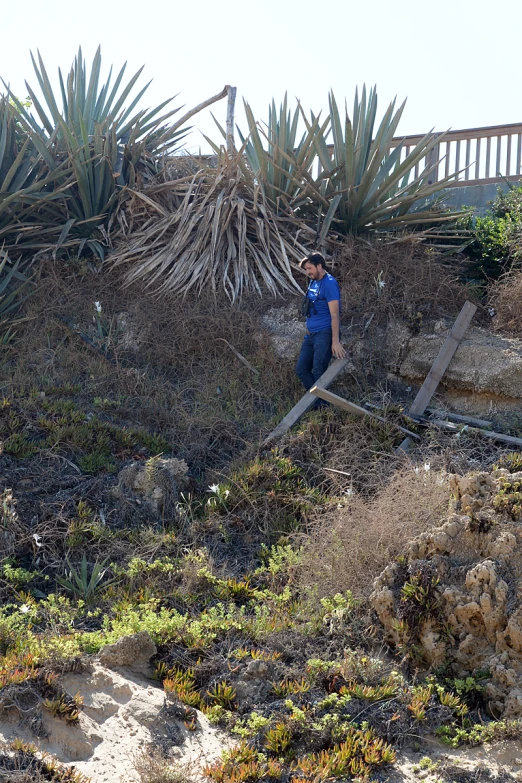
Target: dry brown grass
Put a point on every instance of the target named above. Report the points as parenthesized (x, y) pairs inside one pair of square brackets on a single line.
[(349, 546), (175, 369), (152, 767), (417, 279), (506, 298)]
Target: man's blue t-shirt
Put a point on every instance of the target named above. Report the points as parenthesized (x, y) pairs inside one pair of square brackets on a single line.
[(320, 292)]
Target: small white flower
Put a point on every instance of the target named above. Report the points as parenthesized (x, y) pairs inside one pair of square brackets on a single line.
[(37, 539), (97, 307), (416, 470), (226, 493), (348, 492), (381, 283), (427, 466), (214, 488), (24, 609)]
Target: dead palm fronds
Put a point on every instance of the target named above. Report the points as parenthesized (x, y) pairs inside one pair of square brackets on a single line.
[(213, 229)]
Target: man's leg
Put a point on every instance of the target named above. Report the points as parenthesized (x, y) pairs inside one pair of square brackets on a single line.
[(305, 363), (322, 353), (322, 356)]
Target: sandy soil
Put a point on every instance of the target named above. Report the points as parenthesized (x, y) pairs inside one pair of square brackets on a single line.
[(123, 713)]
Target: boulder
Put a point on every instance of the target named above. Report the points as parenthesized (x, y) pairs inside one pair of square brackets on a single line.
[(133, 651), (157, 482), (484, 362)]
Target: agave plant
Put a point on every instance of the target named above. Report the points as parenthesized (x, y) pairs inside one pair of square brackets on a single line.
[(95, 141), (280, 163), (364, 181), (30, 190), (83, 586), (11, 297)]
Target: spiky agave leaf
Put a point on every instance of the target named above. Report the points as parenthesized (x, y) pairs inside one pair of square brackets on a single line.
[(278, 160), (86, 101), (32, 184)]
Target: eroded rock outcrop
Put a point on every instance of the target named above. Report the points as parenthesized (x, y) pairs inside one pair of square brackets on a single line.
[(484, 362), (455, 596)]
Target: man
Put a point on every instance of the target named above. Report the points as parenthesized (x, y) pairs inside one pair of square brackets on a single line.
[(323, 311)]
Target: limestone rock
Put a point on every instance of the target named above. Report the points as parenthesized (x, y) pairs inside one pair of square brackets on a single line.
[(472, 568), (157, 482), (286, 328), (483, 362), (134, 651)]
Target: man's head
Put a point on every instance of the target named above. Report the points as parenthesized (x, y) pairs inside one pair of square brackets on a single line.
[(314, 266)]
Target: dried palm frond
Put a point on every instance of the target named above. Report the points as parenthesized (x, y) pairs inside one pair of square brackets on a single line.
[(212, 228)]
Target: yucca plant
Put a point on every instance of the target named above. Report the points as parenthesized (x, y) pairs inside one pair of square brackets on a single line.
[(222, 235), (364, 181)]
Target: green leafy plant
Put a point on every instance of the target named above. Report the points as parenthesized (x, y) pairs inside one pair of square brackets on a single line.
[(278, 739), (511, 462), (496, 237)]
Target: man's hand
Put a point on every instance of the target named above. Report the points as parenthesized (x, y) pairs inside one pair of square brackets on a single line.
[(338, 350)]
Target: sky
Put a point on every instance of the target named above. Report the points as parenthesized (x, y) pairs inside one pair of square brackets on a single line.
[(456, 61)]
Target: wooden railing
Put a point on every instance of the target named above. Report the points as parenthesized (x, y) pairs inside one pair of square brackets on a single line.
[(481, 155)]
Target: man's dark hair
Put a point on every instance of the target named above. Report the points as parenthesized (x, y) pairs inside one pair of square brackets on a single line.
[(314, 258)]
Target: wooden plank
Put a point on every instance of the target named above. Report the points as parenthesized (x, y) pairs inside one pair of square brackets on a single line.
[(519, 152), (463, 135), (499, 152), (488, 155), (477, 160), (306, 402), (468, 155), (458, 417), (483, 181), (443, 359), (457, 159), (508, 156), (447, 168), (498, 436), (351, 407)]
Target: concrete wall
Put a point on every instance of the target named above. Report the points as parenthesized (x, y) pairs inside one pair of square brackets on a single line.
[(475, 195)]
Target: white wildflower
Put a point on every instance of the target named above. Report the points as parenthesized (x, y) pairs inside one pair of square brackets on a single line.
[(381, 283), (416, 471), (213, 488), (226, 493), (37, 539), (427, 467), (24, 609), (97, 307), (348, 492)]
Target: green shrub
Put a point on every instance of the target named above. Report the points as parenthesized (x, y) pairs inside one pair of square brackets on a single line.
[(497, 236)]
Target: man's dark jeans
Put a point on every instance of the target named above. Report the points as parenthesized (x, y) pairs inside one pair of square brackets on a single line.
[(314, 358)]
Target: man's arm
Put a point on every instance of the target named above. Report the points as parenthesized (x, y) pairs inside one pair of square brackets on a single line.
[(337, 349)]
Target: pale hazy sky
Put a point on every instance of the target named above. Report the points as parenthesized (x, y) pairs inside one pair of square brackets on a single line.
[(456, 61)]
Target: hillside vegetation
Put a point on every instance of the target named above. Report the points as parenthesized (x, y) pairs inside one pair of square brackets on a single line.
[(136, 494)]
